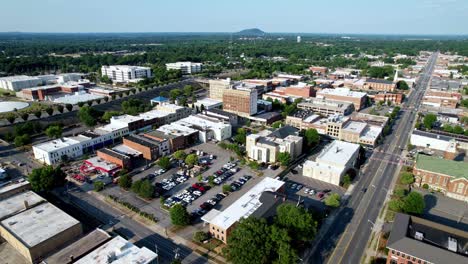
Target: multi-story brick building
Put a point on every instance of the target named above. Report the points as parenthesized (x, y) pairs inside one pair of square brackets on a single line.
[(240, 101), (318, 70), (448, 176), (345, 95), (327, 107), (379, 85), (148, 148), (115, 157), (395, 98), (414, 240)]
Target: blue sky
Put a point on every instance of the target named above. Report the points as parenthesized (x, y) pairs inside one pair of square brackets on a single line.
[(310, 16)]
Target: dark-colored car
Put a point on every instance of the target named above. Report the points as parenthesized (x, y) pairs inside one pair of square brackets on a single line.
[(294, 171), (326, 191)]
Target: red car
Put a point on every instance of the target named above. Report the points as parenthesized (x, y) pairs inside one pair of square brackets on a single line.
[(320, 195)]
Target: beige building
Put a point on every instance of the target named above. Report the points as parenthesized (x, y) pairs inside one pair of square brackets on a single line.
[(266, 145), (35, 227), (217, 88), (240, 101), (333, 163), (327, 107)]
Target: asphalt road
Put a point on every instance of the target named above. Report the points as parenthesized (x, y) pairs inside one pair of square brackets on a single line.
[(131, 229), (347, 240)]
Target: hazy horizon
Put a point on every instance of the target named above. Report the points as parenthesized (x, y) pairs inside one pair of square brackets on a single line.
[(398, 17)]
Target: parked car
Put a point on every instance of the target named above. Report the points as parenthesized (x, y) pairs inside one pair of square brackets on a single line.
[(320, 195)]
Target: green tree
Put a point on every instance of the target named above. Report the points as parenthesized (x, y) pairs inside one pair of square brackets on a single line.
[(413, 203), (136, 186), (105, 79), (299, 222), (179, 215), (333, 200), (46, 178), (285, 253), (406, 178), (347, 180), (164, 163), (98, 186), (54, 131), (60, 108), (22, 140), (188, 90), (87, 115), (49, 111), (11, 118), (200, 236), (109, 114), (458, 130), (173, 94), (180, 155), (284, 158), (125, 181), (146, 189), (69, 107), (250, 242), (25, 116), (277, 124), (191, 159), (241, 136), (254, 165), (402, 85), (448, 128), (227, 188), (312, 137), (429, 120)]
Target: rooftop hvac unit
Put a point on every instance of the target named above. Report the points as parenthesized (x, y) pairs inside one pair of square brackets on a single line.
[(452, 244), (419, 236)]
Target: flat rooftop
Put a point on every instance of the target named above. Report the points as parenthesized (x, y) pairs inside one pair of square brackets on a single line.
[(153, 114), (120, 251), (208, 102), (76, 98), (79, 248), (39, 224), (246, 204), (16, 203), (176, 129), (456, 169), (338, 152), (204, 122), (125, 150), (56, 144), (355, 127), (371, 132), (125, 119), (430, 241), (98, 162), (342, 92), (6, 187)]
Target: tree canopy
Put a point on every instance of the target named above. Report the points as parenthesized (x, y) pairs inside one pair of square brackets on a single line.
[(54, 131), (179, 215), (46, 178)]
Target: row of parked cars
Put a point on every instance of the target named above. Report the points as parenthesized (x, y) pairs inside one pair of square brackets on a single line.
[(309, 191), (223, 174), (174, 180), (208, 205), (236, 185), (188, 195)]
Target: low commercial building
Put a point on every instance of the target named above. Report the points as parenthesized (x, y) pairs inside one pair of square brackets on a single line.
[(230, 118), (13, 188), (379, 85), (19, 82), (428, 140), (186, 67), (317, 70), (208, 127), (333, 163), (112, 156), (119, 251), (35, 227), (417, 240), (207, 103), (148, 148), (448, 176), (126, 73), (266, 145), (359, 99), (223, 223), (327, 107), (179, 136), (441, 99)]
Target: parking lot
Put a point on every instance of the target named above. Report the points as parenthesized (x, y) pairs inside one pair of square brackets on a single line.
[(189, 185)]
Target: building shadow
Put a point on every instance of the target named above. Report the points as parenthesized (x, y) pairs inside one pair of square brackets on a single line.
[(431, 201)]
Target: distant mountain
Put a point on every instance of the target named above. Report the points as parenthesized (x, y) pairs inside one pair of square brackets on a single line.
[(251, 32)]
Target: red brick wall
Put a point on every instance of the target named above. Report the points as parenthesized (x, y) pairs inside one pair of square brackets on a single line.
[(307, 91), (109, 158), (148, 153)]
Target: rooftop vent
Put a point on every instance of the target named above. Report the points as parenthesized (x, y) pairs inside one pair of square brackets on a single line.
[(419, 236), (452, 244), (111, 257)]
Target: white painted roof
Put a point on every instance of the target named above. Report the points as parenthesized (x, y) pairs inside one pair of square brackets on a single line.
[(76, 98), (355, 127), (246, 204), (338, 152), (342, 92), (56, 144), (118, 251), (39, 224)]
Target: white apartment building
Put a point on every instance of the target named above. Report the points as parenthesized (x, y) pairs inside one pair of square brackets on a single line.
[(266, 145), (333, 162), (186, 67), (126, 73), (51, 152)]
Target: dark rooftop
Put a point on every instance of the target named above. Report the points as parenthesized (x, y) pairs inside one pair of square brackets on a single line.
[(114, 154), (428, 240), (284, 131), (141, 141), (79, 248), (379, 81), (159, 134), (270, 202), (431, 135), (90, 134), (221, 112)]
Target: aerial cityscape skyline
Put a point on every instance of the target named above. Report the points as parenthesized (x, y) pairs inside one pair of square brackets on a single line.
[(352, 17)]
